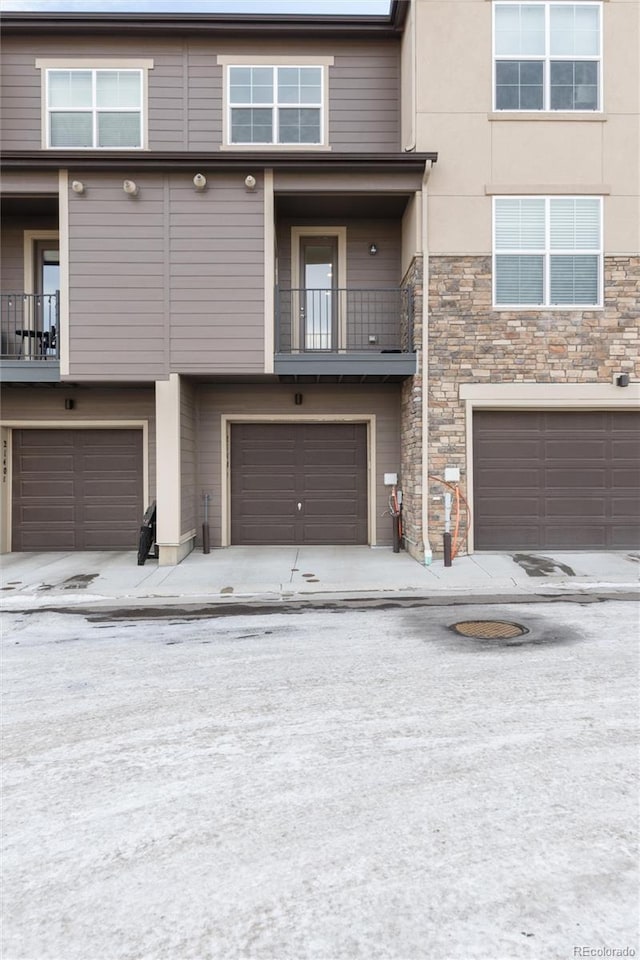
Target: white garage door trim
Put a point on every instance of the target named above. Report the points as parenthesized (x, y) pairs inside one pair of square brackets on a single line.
[(6, 433), (226, 420), (537, 396)]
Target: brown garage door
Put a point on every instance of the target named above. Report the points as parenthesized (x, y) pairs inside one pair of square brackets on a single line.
[(556, 480), (76, 489), (298, 483)]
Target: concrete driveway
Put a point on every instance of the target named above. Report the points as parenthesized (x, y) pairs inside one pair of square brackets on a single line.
[(338, 785), (282, 572)]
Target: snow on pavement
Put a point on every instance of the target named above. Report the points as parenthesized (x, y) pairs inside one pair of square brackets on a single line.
[(321, 785)]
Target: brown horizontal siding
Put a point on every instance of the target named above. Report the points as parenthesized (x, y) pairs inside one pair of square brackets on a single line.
[(142, 316), (185, 87), (205, 106), (364, 97), (19, 96), (134, 296), (216, 287), (24, 181), (12, 254), (233, 229), (166, 118)]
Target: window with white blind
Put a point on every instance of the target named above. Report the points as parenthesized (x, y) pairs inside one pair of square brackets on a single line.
[(275, 104), (547, 252), (547, 56), (94, 109)]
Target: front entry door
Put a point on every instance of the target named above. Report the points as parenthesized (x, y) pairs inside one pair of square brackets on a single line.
[(318, 301), (47, 288)]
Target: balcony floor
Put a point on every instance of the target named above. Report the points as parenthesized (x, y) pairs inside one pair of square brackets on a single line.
[(29, 371), (350, 367)]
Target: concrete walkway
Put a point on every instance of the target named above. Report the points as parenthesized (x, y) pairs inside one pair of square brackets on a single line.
[(32, 579)]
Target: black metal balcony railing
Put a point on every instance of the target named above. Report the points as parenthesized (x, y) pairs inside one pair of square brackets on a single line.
[(29, 326), (344, 321)]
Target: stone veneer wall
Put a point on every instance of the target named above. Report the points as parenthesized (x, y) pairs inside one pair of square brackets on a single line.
[(411, 427), (469, 342)]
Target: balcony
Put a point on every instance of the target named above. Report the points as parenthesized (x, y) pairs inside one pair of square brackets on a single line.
[(29, 341), (344, 334)]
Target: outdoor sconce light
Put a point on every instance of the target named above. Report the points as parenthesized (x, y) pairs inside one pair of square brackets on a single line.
[(69, 403), (130, 187), (199, 182), (77, 186), (373, 249), (250, 182), (622, 380), (297, 399)]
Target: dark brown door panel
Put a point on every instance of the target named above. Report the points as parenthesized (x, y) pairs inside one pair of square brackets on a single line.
[(309, 485), (582, 492), (76, 489)]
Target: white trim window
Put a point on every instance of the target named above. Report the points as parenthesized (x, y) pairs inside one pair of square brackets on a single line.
[(89, 109), (275, 104), (547, 56), (547, 252)]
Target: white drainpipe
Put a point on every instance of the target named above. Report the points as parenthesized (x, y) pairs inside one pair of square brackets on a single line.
[(428, 554)]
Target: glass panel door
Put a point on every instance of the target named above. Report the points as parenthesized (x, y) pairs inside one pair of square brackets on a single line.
[(319, 263), (47, 288)]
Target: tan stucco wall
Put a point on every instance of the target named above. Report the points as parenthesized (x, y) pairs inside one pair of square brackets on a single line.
[(479, 149)]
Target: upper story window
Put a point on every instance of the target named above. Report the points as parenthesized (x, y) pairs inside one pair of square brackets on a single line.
[(547, 56), (275, 105), (547, 252), (94, 108), (277, 102), (96, 103)]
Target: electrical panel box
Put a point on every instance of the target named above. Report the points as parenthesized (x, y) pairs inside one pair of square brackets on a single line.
[(390, 479), (452, 474)]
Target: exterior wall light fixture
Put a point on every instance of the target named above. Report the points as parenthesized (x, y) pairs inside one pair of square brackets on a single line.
[(622, 380), (250, 182), (130, 187), (373, 249), (199, 182), (69, 403), (297, 399), (77, 186)]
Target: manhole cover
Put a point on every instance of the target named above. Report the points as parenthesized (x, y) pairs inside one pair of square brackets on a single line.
[(489, 629)]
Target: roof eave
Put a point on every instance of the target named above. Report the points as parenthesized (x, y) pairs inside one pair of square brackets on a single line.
[(220, 160), (390, 25)]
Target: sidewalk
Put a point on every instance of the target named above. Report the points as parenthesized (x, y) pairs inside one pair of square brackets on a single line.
[(37, 580)]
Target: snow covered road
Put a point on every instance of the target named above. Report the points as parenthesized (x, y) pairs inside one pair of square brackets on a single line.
[(323, 785)]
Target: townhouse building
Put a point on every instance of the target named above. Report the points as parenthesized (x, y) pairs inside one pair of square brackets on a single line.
[(271, 263)]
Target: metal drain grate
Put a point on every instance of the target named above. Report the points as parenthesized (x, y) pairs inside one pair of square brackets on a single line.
[(489, 629)]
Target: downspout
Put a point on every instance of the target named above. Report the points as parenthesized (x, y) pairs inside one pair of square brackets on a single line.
[(64, 338), (428, 553), (410, 144)]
